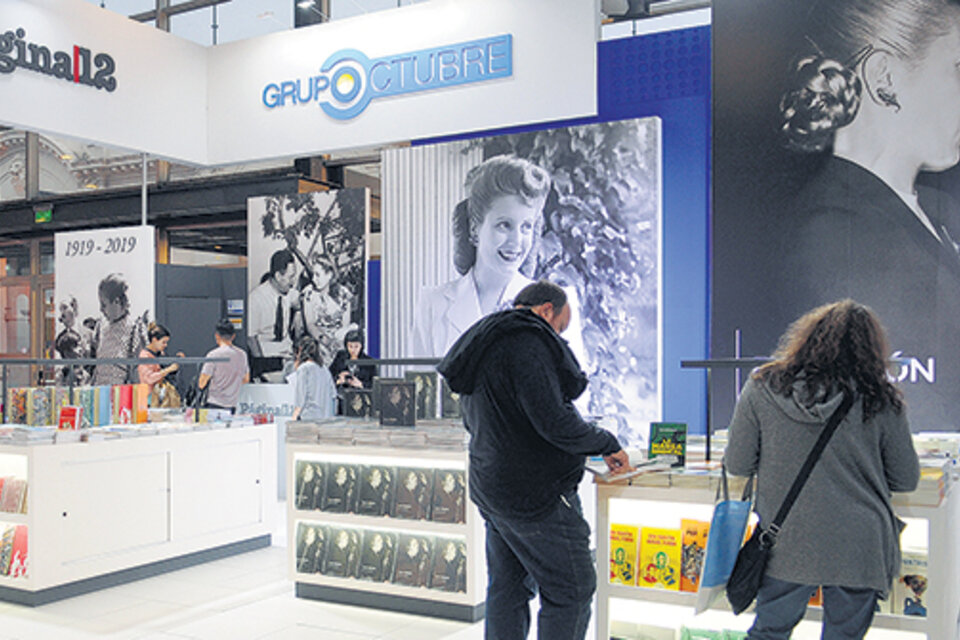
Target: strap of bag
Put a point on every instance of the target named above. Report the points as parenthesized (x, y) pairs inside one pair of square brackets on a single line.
[(773, 529)]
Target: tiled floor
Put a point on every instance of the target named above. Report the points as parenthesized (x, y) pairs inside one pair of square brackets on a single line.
[(244, 597)]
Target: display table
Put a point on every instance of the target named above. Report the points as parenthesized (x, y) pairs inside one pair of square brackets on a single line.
[(383, 525), (98, 514), (642, 612)]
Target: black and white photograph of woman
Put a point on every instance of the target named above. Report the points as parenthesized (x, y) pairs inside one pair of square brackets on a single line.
[(835, 176)]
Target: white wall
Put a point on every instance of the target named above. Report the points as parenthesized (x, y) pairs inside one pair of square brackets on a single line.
[(181, 101)]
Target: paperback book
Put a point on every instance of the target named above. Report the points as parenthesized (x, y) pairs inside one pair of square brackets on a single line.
[(414, 553), (449, 496), (340, 488), (449, 571), (358, 403), (694, 547), (660, 552), (309, 484), (624, 540), (397, 404), (425, 388), (413, 494), (449, 401), (668, 439), (376, 490), (311, 546), (342, 554), (378, 555)]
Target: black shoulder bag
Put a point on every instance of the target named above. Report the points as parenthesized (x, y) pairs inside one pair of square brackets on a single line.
[(752, 559)]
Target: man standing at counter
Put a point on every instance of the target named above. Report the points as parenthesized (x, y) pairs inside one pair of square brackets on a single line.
[(518, 379)]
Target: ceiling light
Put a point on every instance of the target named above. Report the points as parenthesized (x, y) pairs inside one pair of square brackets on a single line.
[(305, 4)]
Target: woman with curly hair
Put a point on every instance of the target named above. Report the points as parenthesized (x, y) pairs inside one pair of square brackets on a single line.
[(875, 98), (496, 229), (841, 533)]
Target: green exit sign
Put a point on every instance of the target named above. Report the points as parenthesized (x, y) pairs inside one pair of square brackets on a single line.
[(44, 214)]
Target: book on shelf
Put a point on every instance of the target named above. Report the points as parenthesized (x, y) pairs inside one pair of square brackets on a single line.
[(414, 555), (309, 486), (449, 496), (340, 488), (122, 408), (13, 496), (6, 549), (141, 402), (17, 405), (104, 405), (377, 556), (660, 551), (449, 567), (60, 397), (449, 401), (376, 393), (358, 403), (624, 540), (694, 540), (397, 404), (311, 546), (668, 439), (376, 490), (39, 406), (84, 397), (413, 493), (71, 417), (425, 389), (18, 553), (909, 596), (342, 552)]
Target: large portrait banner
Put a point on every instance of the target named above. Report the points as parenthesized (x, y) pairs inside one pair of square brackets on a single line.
[(104, 296), (579, 206), (306, 272)]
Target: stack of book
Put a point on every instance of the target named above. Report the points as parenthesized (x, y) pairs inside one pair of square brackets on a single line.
[(13, 495)]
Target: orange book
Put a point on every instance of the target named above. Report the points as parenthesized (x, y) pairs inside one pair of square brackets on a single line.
[(141, 401), (694, 547)]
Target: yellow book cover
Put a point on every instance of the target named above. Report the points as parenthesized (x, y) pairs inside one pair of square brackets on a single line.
[(694, 547), (660, 552), (623, 554)]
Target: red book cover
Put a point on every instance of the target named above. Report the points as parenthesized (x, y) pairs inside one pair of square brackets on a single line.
[(18, 559), (123, 403), (70, 417)]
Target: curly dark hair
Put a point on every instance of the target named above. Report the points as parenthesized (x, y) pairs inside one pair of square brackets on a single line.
[(837, 346)]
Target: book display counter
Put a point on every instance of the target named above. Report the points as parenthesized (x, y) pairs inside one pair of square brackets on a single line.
[(133, 502), (651, 536), (380, 517)]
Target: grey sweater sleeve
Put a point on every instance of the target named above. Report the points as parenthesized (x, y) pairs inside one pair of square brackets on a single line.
[(900, 464), (742, 456)]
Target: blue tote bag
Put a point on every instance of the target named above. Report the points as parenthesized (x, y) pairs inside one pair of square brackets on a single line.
[(727, 529)]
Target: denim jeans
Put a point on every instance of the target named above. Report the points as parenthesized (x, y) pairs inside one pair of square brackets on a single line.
[(847, 613), (551, 554)]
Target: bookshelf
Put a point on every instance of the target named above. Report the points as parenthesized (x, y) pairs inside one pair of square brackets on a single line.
[(659, 613), (107, 512), (466, 603)]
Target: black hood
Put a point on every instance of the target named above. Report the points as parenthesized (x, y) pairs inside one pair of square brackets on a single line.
[(460, 365)]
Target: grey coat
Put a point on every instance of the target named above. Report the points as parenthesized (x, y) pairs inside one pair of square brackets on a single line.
[(842, 530)]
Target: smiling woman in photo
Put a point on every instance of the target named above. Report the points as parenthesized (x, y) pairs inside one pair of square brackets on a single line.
[(495, 233)]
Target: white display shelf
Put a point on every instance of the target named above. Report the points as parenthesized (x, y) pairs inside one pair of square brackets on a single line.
[(13, 518), (108, 512), (933, 526), (462, 606)]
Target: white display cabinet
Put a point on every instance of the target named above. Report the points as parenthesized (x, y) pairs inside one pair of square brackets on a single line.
[(108, 512), (385, 592), (659, 614)]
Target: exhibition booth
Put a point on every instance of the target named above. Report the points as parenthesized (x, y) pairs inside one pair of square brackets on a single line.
[(621, 129)]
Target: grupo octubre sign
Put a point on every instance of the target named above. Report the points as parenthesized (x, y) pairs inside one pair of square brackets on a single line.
[(349, 80), (80, 67)]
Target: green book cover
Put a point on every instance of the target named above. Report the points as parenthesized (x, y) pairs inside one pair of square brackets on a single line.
[(668, 438)]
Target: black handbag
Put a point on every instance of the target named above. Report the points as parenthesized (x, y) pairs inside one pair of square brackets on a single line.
[(747, 574)]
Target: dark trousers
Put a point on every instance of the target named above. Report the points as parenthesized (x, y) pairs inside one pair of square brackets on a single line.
[(847, 613), (551, 554)]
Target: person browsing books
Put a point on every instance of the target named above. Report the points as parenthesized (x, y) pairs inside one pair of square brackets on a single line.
[(224, 378), (153, 374), (313, 388), (518, 379), (841, 532)]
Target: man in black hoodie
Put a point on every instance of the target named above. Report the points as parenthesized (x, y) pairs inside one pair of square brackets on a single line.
[(518, 379)]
